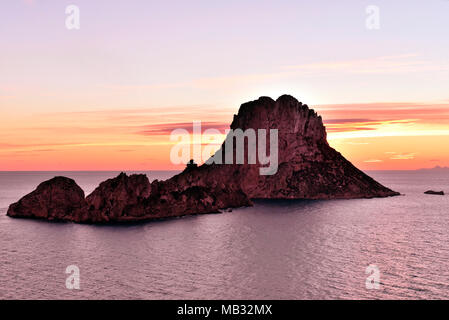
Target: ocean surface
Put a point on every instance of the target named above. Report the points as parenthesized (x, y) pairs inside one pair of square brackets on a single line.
[(274, 250)]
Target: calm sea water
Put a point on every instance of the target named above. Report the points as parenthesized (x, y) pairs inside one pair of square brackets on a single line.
[(274, 250)]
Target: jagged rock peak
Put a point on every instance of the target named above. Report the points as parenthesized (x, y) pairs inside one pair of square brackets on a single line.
[(284, 101), (286, 113)]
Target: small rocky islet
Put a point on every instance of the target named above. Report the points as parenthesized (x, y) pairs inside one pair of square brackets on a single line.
[(435, 193)]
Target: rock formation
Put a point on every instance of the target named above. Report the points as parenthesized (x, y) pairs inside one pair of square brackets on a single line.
[(308, 168), (123, 199), (119, 197), (57, 199), (436, 193)]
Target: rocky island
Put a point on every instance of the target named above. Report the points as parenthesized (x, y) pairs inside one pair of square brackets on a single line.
[(308, 168), (435, 193)]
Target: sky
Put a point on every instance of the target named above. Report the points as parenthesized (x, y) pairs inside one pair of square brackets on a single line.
[(107, 95)]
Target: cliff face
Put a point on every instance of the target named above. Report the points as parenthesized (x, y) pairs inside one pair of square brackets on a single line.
[(307, 168)]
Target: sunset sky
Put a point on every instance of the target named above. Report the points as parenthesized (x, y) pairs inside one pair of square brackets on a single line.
[(106, 96)]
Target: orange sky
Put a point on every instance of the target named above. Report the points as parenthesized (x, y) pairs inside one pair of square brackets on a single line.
[(106, 96), (373, 136)]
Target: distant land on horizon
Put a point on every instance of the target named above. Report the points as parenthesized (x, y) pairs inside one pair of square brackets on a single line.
[(435, 169)]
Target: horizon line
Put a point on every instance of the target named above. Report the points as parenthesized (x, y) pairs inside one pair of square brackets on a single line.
[(137, 170)]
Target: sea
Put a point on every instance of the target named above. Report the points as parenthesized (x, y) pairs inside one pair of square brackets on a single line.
[(389, 248)]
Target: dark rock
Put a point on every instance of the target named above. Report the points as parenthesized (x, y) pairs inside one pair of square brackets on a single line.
[(168, 199), (438, 193), (133, 198), (118, 197), (308, 167), (57, 199)]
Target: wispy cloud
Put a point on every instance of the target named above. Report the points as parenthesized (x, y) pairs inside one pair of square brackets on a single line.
[(402, 156), (379, 65), (385, 119), (395, 64), (127, 129), (167, 128), (349, 129)]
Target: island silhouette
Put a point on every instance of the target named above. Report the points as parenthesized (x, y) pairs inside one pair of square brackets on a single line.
[(308, 168)]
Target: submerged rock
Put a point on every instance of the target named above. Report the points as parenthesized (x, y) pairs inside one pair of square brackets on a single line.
[(307, 168), (437, 193)]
